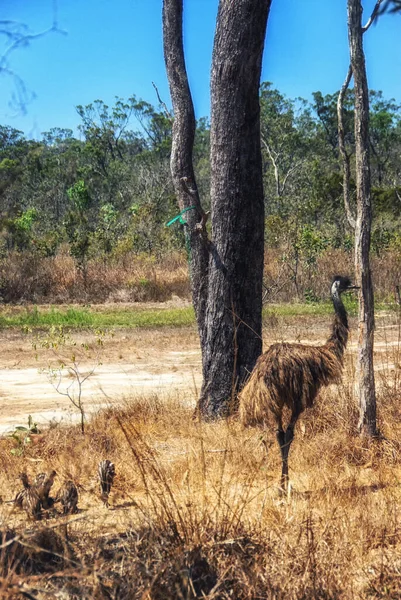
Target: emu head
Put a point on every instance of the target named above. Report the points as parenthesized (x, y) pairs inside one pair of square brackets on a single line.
[(24, 478), (341, 284)]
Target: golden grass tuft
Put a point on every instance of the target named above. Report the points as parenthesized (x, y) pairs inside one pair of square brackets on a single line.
[(195, 511)]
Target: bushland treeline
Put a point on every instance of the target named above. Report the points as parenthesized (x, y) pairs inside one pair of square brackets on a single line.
[(84, 218)]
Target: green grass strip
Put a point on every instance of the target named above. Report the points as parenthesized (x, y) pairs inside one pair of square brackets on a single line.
[(129, 317), (88, 318)]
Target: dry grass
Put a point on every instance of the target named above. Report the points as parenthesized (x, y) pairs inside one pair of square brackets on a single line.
[(27, 277), (195, 511)]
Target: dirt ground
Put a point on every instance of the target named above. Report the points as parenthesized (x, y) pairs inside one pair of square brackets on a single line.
[(139, 361)]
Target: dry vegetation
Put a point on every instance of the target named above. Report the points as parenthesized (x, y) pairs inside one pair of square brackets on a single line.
[(26, 277), (195, 511)]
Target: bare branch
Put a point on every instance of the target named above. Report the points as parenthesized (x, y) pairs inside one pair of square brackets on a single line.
[(18, 36), (373, 16), (274, 163), (166, 110), (289, 172)]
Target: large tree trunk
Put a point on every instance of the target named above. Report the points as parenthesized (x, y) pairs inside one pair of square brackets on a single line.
[(226, 272), (365, 372), (234, 307), (181, 159)]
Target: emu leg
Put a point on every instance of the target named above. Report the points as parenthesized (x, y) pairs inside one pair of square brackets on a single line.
[(285, 440), (280, 435), (285, 450)]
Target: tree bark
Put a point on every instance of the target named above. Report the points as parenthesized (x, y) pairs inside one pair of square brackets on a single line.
[(227, 272), (181, 159), (343, 151), (234, 307), (365, 372)]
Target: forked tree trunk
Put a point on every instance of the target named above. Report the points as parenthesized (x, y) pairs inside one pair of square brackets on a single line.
[(234, 308), (181, 159), (227, 291), (365, 372)]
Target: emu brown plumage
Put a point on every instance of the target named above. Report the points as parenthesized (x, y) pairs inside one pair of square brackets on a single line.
[(106, 472), (43, 483), (291, 375), (68, 497), (29, 499)]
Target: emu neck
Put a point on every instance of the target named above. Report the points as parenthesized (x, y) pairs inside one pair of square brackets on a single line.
[(339, 336)]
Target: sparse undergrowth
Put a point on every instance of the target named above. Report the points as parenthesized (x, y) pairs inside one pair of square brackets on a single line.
[(195, 511)]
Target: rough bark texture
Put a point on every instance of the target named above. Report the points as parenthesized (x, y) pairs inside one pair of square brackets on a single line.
[(234, 307), (344, 155), (365, 372), (181, 158)]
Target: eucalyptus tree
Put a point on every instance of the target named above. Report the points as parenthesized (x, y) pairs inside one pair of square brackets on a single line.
[(227, 267), (363, 220)]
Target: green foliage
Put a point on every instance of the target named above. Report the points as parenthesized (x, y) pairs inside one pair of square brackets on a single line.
[(109, 194), (79, 196), (77, 222), (25, 222), (21, 228), (311, 244), (22, 437)]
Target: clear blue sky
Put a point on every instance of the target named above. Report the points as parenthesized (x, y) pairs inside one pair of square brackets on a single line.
[(114, 48)]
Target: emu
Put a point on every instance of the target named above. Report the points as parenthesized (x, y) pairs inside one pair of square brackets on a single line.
[(43, 483), (68, 496), (28, 498), (106, 472), (291, 375)]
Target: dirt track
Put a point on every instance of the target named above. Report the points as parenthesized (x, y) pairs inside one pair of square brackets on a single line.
[(135, 362), (163, 361)]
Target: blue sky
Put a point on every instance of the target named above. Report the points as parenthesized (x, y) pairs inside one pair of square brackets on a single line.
[(114, 48)]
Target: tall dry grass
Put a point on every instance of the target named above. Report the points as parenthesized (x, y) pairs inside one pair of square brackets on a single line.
[(195, 509), (30, 278), (26, 277)]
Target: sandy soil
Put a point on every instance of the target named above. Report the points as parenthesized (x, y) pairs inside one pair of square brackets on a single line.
[(132, 362), (137, 361)]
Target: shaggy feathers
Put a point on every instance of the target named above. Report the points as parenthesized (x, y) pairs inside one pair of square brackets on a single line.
[(106, 472), (289, 376), (68, 497)]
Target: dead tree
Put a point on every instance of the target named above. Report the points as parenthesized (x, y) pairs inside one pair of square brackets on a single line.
[(366, 322), (291, 375)]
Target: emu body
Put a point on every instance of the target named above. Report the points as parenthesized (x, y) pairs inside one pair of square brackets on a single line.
[(291, 375), (43, 483), (28, 499), (106, 472), (68, 497)]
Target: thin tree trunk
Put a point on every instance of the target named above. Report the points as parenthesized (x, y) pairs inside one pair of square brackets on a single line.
[(365, 372), (234, 308), (181, 159), (343, 151)]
